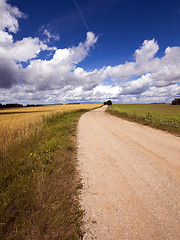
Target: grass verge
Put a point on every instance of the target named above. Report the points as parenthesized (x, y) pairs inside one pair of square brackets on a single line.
[(161, 116), (39, 183)]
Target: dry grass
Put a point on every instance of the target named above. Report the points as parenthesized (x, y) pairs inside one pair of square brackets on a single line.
[(19, 123), (39, 181)]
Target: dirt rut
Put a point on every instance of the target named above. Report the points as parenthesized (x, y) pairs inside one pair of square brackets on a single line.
[(131, 177)]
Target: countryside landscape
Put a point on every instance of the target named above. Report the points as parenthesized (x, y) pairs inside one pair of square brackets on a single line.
[(40, 183), (89, 120)]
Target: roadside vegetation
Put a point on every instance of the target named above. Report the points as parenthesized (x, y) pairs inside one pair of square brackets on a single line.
[(19, 123), (162, 116), (39, 181)]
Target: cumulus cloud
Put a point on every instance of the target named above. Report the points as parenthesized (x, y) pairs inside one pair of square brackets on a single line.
[(5, 39), (13, 53), (168, 71), (147, 51), (99, 94), (164, 71), (11, 56), (121, 72), (22, 50), (8, 72), (138, 86), (61, 69), (9, 16), (26, 49), (148, 78)]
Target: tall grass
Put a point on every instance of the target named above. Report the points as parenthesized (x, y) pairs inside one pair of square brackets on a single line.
[(39, 182), (20, 123), (162, 116)]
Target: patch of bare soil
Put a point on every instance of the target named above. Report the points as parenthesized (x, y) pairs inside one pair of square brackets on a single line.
[(131, 177)]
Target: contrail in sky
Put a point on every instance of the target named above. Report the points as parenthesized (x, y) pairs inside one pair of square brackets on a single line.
[(84, 21), (80, 12)]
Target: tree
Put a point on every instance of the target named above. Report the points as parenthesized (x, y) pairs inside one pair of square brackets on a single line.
[(176, 101), (109, 102)]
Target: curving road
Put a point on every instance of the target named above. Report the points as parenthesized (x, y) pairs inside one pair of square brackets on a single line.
[(131, 177)]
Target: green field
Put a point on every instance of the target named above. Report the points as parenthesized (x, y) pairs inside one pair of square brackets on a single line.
[(162, 116)]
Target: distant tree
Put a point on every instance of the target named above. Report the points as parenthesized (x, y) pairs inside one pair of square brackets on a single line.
[(13, 105), (176, 101), (109, 102), (10, 105)]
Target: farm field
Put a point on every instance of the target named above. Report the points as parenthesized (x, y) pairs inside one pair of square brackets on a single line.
[(38, 177), (162, 116), (19, 123)]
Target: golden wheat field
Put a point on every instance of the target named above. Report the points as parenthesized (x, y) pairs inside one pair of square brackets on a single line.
[(19, 123)]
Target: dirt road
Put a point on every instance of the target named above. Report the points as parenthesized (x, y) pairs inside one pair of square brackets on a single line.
[(131, 177)]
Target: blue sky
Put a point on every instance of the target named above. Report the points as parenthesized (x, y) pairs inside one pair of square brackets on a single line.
[(89, 51)]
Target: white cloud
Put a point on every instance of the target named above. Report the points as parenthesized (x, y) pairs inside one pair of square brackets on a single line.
[(60, 79), (50, 35), (9, 16), (163, 94), (5, 39), (145, 62), (138, 86), (26, 49), (164, 71), (12, 52), (61, 69), (168, 70), (100, 93), (122, 72), (91, 40), (146, 52)]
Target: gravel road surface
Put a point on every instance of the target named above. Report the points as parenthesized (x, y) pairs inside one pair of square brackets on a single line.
[(131, 178)]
